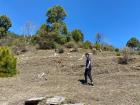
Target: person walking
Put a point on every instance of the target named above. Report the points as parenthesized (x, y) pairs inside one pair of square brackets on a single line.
[(88, 70)]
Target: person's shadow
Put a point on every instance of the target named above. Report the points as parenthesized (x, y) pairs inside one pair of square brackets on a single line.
[(82, 81)]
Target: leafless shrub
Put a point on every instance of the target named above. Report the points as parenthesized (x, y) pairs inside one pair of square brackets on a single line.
[(19, 49), (60, 50), (94, 51), (126, 52)]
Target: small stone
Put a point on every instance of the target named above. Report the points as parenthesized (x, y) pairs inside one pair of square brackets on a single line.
[(56, 100), (68, 53), (80, 59), (75, 104), (42, 75)]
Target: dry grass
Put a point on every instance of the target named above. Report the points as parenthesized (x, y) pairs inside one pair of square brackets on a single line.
[(115, 84)]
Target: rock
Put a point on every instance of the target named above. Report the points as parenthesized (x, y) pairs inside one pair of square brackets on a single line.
[(68, 53), (56, 100), (36, 98), (80, 59), (75, 104), (42, 75), (34, 101), (70, 56), (74, 50), (55, 54)]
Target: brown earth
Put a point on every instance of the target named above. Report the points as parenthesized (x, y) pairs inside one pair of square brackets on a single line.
[(115, 84)]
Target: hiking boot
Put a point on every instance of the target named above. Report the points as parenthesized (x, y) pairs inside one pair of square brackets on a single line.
[(85, 83), (92, 84)]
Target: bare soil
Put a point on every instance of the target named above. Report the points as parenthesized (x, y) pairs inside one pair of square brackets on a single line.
[(115, 84)]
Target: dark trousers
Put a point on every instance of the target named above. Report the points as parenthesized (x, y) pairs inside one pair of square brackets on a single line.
[(88, 74)]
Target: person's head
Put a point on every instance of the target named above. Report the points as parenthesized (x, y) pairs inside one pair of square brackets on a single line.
[(87, 55)]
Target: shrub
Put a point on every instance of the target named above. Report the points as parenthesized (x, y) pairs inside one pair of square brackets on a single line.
[(68, 38), (118, 54), (19, 47), (70, 45), (77, 35), (7, 62), (97, 46), (126, 56), (61, 40), (123, 60), (60, 50), (108, 47), (139, 53), (45, 44), (87, 45), (94, 51), (117, 50)]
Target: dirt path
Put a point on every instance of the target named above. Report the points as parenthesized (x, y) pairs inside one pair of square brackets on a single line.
[(114, 84)]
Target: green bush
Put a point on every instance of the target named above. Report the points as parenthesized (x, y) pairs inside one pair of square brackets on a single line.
[(68, 38), (87, 45), (117, 50), (71, 45), (118, 54), (77, 35), (46, 44), (139, 53), (97, 46), (61, 40), (108, 47), (7, 62)]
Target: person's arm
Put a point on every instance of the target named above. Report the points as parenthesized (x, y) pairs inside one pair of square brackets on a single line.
[(88, 64)]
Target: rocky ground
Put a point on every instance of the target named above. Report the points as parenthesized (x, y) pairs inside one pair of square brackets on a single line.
[(46, 73)]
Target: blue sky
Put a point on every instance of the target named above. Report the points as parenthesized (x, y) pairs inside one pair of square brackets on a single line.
[(117, 20)]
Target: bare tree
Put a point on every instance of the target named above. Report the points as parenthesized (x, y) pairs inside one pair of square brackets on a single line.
[(28, 31), (98, 38), (23, 33)]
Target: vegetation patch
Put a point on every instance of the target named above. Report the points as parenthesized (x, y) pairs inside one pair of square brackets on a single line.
[(7, 63)]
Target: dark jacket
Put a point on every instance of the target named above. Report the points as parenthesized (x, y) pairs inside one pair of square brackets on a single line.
[(88, 62)]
